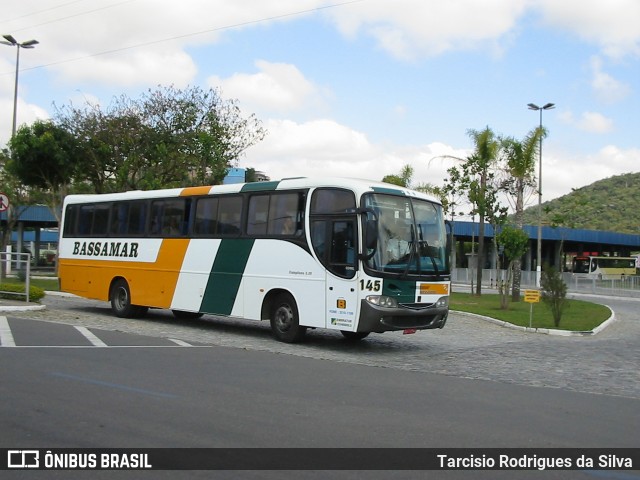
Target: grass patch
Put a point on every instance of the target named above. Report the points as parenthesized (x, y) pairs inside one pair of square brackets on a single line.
[(579, 315), (15, 291), (43, 283)]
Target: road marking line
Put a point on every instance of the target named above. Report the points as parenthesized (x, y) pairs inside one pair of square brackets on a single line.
[(182, 343), (95, 341), (6, 337)]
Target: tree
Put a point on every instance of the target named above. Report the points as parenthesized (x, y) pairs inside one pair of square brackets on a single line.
[(515, 242), (43, 156), (519, 178), (167, 138), (475, 177), (554, 293), (403, 179)]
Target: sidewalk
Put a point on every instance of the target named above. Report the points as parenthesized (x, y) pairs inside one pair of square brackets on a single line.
[(7, 305)]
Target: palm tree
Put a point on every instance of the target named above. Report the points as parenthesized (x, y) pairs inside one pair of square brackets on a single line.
[(485, 154), (520, 161)]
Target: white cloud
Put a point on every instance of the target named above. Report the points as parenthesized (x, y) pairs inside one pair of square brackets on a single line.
[(607, 88), (324, 147), (26, 113), (318, 147), (563, 171), (591, 122), (139, 67), (412, 28), (277, 87), (137, 42), (612, 24)]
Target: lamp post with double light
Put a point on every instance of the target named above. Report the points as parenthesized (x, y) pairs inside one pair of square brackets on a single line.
[(533, 106), (9, 40)]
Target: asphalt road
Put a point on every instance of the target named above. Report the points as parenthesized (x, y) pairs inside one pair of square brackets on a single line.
[(82, 378)]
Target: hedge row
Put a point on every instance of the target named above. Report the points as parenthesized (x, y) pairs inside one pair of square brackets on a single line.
[(35, 293)]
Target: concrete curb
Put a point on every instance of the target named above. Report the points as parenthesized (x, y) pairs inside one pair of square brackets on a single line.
[(20, 308), (547, 331), (32, 308)]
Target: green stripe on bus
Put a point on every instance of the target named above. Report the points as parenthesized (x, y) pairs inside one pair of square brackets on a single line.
[(392, 191), (404, 291), (259, 186), (226, 275)]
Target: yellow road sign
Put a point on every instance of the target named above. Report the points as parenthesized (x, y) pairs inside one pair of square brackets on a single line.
[(532, 296)]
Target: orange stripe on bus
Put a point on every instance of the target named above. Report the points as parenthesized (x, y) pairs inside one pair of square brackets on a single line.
[(151, 284), (188, 191), (434, 288)]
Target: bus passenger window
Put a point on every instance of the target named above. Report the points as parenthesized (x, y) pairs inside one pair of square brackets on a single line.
[(258, 214), (70, 220), (168, 217)]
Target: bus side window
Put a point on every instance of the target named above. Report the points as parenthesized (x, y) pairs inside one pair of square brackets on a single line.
[(206, 216), (137, 221), (70, 225), (285, 214), (168, 217), (119, 219), (258, 215), (332, 200), (230, 215), (85, 219)]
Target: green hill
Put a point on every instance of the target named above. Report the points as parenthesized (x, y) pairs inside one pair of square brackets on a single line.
[(612, 204)]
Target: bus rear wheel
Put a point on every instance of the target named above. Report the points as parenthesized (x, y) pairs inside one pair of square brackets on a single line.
[(285, 322), (120, 297)]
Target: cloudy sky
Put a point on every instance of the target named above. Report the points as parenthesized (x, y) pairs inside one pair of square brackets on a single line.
[(354, 88)]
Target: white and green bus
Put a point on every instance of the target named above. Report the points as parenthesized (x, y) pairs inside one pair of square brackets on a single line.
[(340, 254)]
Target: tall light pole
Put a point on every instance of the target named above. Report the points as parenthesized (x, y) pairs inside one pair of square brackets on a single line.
[(533, 106), (14, 43)]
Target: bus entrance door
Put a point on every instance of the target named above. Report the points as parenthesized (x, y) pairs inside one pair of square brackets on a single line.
[(342, 295), (342, 304)]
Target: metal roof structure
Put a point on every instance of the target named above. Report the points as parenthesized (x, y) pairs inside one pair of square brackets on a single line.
[(34, 216), (467, 229)]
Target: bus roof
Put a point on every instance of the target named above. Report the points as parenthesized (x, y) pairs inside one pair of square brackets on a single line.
[(359, 186)]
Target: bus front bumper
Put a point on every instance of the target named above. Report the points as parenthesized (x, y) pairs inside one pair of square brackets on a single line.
[(378, 319)]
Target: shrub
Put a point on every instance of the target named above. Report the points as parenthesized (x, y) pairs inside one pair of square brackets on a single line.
[(554, 293), (35, 293)]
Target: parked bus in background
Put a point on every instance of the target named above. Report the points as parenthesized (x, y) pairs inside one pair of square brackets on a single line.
[(340, 254), (604, 268)]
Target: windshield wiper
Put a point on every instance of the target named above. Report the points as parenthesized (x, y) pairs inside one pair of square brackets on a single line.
[(433, 261), (413, 248)]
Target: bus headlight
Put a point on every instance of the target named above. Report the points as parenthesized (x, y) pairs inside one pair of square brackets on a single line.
[(442, 302), (382, 301)]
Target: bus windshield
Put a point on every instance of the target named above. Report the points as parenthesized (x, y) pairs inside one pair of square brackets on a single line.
[(581, 265), (411, 236)]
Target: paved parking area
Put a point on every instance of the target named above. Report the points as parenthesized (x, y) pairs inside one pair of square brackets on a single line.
[(607, 363)]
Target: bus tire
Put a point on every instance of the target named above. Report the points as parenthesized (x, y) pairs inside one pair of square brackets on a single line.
[(182, 315), (354, 336), (120, 297), (285, 322)]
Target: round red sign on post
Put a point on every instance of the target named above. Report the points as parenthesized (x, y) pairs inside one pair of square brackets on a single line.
[(4, 202)]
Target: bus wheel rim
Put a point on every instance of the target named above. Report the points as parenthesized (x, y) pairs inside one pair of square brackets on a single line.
[(284, 318)]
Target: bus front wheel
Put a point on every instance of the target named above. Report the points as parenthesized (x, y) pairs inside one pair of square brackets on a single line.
[(120, 297), (285, 322)]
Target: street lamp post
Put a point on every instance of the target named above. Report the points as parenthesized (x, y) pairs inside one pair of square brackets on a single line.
[(14, 43), (533, 106)]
